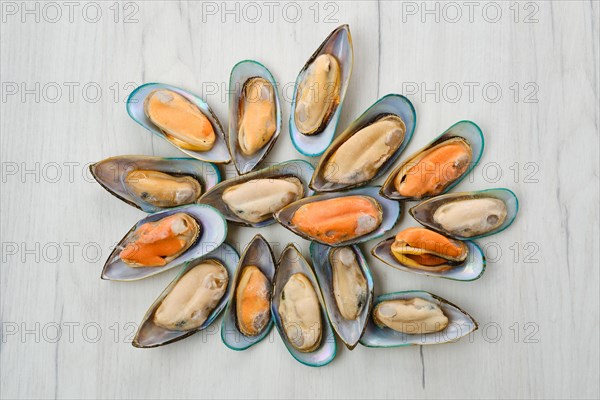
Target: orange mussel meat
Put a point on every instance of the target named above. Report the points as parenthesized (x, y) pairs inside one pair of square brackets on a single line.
[(337, 220)]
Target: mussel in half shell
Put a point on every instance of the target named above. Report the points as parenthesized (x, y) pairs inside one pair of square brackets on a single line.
[(437, 167), (468, 215), (415, 317)]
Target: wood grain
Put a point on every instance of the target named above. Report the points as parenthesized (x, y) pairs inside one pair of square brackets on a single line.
[(537, 303)]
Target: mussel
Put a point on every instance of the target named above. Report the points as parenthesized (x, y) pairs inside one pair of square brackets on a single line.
[(368, 146), (192, 301), (193, 298), (163, 190), (427, 250), (254, 114), (347, 287), (247, 319), (155, 183), (423, 251), (339, 219), (468, 215), (299, 312), (319, 93), (157, 243), (181, 118), (165, 240), (412, 316), (182, 122), (437, 167), (252, 199), (256, 200), (415, 317)]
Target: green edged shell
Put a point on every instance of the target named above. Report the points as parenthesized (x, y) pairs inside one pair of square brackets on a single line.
[(348, 331), (327, 349), (151, 335), (459, 324), (257, 253)]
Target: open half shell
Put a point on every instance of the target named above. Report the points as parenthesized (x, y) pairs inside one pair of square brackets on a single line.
[(424, 212), (390, 210), (349, 331), (459, 324), (339, 45), (213, 231), (151, 335), (391, 104), (258, 253), (465, 130), (468, 270), (241, 73), (299, 169), (291, 262), (111, 173), (135, 108)]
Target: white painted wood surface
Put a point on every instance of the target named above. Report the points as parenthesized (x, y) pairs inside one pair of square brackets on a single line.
[(537, 304)]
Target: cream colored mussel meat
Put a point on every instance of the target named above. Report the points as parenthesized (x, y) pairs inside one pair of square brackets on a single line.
[(257, 119), (161, 189), (318, 95), (300, 313), (193, 298), (412, 316), (349, 283), (256, 200), (471, 217), (359, 158)]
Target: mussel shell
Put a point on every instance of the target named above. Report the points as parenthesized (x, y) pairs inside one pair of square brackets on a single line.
[(465, 129), (327, 349), (348, 331), (389, 104), (151, 335), (111, 172), (240, 73), (214, 197), (423, 212), (219, 154), (390, 209), (338, 44), (469, 270), (257, 253), (213, 231), (459, 324)]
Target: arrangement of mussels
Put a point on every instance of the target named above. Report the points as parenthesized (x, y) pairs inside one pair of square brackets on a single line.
[(332, 205)]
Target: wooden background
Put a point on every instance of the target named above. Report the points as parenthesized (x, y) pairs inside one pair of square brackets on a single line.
[(526, 72)]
